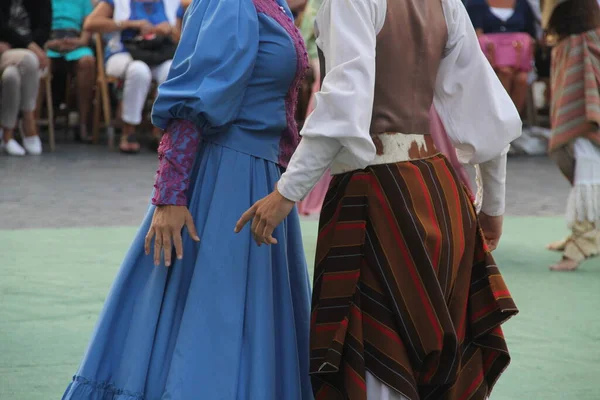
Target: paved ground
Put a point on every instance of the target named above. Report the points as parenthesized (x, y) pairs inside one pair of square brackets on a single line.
[(91, 186)]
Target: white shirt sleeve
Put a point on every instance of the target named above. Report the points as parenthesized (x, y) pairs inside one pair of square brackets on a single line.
[(478, 114), (347, 34)]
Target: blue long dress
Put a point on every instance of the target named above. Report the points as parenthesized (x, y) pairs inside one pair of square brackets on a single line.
[(231, 319)]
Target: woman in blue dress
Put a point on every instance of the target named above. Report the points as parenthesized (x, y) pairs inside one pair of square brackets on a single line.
[(227, 319)]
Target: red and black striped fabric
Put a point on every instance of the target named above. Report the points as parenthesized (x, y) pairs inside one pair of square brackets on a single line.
[(405, 289)]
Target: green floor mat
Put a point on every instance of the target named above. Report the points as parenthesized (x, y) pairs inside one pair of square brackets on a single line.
[(54, 281)]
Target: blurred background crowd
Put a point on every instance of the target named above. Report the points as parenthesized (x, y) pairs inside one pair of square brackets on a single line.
[(88, 70)]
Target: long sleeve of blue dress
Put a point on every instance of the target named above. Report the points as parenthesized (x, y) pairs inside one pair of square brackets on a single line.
[(204, 89)]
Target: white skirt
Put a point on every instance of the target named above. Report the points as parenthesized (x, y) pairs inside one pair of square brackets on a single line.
[(584, 201)]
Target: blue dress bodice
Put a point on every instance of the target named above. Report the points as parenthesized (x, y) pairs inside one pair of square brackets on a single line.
[(235, 76)]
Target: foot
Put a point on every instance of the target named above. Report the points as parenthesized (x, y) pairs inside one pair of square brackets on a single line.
[(565, 265), (129, 145), (83, 135), (13, 148), (559, 245), (33, 145)]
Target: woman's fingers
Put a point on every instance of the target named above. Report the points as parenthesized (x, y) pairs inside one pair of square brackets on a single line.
[(148, 241), (167, 247), (191, 227), (157, 248), (178, 243)]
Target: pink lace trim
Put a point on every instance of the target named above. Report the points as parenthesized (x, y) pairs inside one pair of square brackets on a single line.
[(290, 137), (176, 155)]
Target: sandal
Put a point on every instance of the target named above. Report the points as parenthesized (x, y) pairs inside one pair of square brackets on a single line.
[(129, 145)]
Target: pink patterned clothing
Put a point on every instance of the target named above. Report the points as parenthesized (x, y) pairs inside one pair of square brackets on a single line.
[(176, 155)]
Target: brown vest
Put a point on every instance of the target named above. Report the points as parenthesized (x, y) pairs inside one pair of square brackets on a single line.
[(409, 51)]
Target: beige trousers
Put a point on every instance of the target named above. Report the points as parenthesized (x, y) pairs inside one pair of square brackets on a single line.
[(19, 85)]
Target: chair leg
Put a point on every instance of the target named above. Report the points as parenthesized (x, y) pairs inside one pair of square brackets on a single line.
[(107, 113), (531, 110), (97, 112), (50, 111)]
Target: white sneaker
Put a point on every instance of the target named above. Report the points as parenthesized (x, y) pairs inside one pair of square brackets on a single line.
[(33, 145), (13, 148)]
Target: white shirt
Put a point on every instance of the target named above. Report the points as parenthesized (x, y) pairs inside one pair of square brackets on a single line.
[(479, 116)]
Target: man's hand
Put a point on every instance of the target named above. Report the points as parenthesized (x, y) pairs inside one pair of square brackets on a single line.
[(266, 214), (492, 229)]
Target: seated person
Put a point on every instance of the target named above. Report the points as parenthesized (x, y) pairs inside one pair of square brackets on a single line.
[(24, 29), (506, 16), (68, 48), (129, 21)]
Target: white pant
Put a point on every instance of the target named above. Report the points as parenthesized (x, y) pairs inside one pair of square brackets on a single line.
[(377, 390), (138, 78)]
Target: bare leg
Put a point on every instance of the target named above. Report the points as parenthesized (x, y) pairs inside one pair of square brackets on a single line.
[(8, 133), (29, 124), (506, 77), (86, 76), (519, 91)]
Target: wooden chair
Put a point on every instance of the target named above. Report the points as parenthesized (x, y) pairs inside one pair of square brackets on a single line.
[(102, 104), (45, 96)]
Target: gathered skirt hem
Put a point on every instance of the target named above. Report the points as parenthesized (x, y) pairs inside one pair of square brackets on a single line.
[(83, 388)]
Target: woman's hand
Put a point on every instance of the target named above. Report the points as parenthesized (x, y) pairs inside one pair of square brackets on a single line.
[(4, 47), (142, 26), (492, 229), (58, 45), (167, 223), (163, 29), (266, 214), (75, 43), (40, 54)]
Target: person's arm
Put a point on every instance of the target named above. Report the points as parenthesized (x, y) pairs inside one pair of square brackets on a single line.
[(101, 20), (204, 90), (202, 95), (347, 34), (296, 5), (480, 118)]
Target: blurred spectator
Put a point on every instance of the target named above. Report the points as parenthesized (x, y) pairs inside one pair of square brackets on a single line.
[(575, 118), (68, 49), (140, 49), (313, 202), (296, 6), (24, 30), (507, 17)]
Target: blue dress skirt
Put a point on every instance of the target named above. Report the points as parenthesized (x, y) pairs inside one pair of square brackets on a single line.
[(228, 321)]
